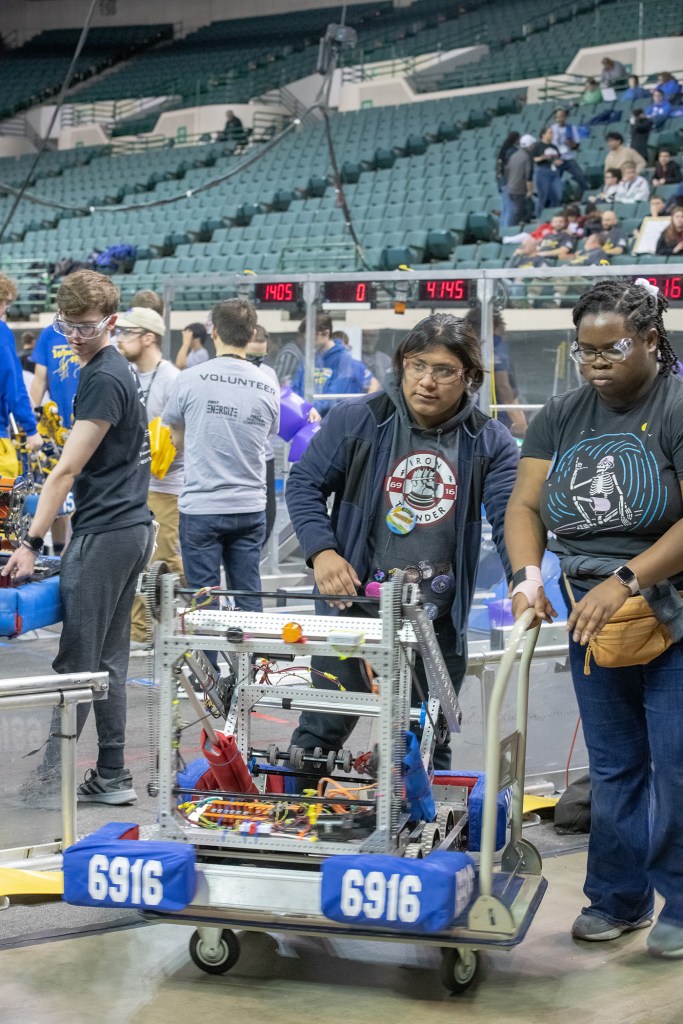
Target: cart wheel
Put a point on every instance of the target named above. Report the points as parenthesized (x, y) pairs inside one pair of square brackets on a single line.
[(458, 969), (413, 851), (331, 762), (296, 757), (221, 958), (272, 754)]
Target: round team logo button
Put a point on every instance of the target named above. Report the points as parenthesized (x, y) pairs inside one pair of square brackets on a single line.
[(427, 570), (412, 574), (400, 520), (431, 611), (441, 584)]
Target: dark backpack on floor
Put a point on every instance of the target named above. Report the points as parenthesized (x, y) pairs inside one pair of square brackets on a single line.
[(573, 809)]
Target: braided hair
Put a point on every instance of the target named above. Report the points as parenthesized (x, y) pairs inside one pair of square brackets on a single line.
[(639, 308)]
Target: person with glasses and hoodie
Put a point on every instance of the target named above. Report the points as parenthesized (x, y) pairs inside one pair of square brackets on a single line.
[(410, 468)]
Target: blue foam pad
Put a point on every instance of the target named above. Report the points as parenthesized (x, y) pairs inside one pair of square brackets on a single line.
[(30, 607)]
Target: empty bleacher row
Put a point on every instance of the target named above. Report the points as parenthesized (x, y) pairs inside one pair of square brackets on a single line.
[(35, 72)]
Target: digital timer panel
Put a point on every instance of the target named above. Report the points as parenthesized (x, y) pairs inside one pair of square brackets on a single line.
[(350, 292), (277, 291), (670, 287), (453, 291)]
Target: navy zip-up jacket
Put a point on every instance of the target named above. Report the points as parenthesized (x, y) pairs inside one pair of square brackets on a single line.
[(349, 458)]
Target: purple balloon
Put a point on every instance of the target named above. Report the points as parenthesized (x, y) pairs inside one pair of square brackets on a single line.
[(293, 413), (301, 441)]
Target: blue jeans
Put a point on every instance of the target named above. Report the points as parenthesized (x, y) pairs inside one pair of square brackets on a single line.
[(633, 727), (573, 169), (235, 541), (548, 184)]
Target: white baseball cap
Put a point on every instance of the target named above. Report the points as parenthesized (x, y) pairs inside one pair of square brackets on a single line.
[(145, 319), (526, 141)]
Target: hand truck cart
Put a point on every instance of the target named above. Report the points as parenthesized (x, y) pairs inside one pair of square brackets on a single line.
[(271, 880)]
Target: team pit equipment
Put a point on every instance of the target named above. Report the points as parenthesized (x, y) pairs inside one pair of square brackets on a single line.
[(261, 845)]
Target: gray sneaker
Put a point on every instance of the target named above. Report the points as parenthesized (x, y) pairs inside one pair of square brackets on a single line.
[(666, 940), (97, 790), (593, 928)]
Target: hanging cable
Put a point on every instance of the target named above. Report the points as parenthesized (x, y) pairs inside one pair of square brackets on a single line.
[(60, 100)]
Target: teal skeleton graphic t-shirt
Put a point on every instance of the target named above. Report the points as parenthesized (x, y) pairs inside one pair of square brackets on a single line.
[(614, 483)]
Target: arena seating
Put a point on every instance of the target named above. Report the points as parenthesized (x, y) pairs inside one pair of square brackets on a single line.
[(419, 178), (34, 72)]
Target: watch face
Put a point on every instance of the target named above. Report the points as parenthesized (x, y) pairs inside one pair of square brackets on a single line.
[(625, 575)]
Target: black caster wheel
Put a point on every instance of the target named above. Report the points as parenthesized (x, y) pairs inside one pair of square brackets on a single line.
[(458, 969), (218, 960)]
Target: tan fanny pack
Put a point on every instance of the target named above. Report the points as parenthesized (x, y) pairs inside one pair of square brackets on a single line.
[(633, 636)]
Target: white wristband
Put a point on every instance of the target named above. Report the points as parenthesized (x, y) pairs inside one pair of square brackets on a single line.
[(530, 590), (530, 584)]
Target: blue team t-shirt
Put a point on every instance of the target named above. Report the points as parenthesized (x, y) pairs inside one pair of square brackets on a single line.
[(63, 369)]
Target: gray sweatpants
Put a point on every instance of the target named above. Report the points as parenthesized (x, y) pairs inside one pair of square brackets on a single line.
[(97, 586)]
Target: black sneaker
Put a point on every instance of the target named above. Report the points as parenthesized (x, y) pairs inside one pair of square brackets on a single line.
[(98, 790)]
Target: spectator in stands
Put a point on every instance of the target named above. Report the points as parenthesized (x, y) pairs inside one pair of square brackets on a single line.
[(139, 334), (334, 370), (657, 205), (592, 93), (547, 173), (610, 186), (519, 181), (618, 154), (257, 351), (667, 171), (641, 126), (574, 220), (676, 199), (635, 90), (222, 413), (567, 139), (559, 243), (192, 351), (669, 87), (592, 219), (632, 188), (526, 255), (365, 379), (592, 254), (671, 240), (233, 129), (613, 71), (659, 110), (614, 240), (504, 153)]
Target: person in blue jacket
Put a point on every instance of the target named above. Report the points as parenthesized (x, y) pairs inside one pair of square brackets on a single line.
[(14, 398), (410, 468), (659, 110), (335, 372)]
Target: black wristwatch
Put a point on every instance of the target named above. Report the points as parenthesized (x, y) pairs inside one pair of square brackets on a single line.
[(628, 578), (34, 543)]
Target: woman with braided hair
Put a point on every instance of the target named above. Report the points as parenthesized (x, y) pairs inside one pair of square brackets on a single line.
[(601, 483)]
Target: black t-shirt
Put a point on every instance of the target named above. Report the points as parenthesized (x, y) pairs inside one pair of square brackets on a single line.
[(111, 491), (614, 484), (589, 258), (556, 240), (615, 238), (548, 151)]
